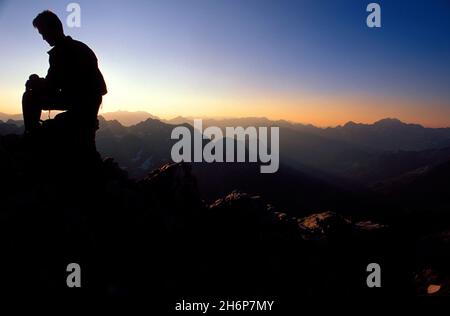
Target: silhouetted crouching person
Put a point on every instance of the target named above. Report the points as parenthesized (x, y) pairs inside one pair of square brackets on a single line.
[(73, 84)]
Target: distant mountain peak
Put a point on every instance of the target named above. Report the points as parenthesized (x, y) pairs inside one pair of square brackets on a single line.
[(386, 122), (128, 118), (389, 121), (350, 124), (393, 122)]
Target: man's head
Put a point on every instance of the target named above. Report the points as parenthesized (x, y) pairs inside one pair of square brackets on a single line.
[(49, 26)]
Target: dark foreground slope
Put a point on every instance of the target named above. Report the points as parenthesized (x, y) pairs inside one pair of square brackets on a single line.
[(157, 239)]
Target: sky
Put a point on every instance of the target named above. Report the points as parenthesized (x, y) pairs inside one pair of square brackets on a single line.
[(312, 61)]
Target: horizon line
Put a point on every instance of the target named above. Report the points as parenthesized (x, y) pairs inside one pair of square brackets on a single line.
[(152, 116), (275, 120)]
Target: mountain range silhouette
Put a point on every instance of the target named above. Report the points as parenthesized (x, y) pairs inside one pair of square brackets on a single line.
[(140, 225)]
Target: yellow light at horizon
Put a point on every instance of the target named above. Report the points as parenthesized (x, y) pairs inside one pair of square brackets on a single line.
[(11, 100), (168, 101)]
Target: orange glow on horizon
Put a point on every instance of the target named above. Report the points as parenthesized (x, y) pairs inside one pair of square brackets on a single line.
[(321, 111), (317, 110)]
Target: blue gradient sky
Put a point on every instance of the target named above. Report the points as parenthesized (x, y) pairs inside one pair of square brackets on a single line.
[(309, 61)]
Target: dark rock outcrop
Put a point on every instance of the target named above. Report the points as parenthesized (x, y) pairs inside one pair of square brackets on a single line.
[(157, 238)]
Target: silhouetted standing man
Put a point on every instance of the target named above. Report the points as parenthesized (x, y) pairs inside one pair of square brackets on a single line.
[(73, 84)]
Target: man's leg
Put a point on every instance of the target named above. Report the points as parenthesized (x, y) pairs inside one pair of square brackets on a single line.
[(31, 110), (33, 103)]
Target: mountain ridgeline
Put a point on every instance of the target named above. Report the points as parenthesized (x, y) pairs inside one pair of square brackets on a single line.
[(344, 158), (343, 196)]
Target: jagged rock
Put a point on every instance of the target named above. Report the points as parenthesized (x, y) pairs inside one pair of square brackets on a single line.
[(157, 234), (323, 226), (369, 226), (172, 189), (240, 215), (433, 277), (173, 181), (430, 282)]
